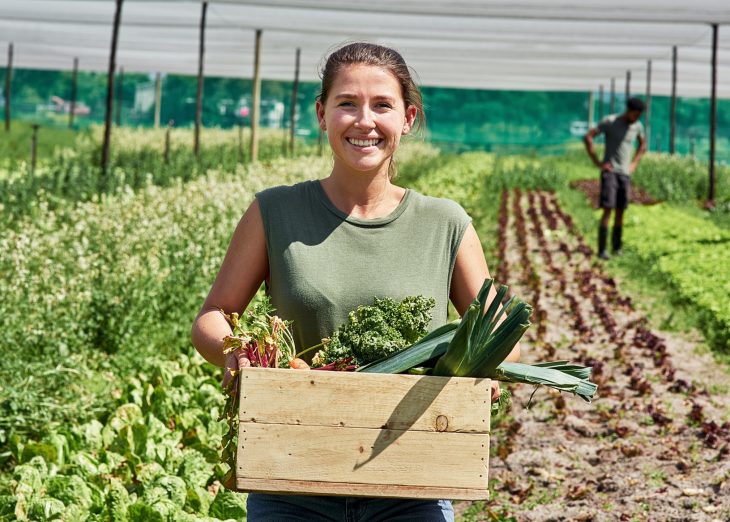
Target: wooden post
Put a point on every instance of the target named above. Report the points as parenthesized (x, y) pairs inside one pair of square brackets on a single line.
[(167, 141), (713, 119), (33, 147), (240, 143), (199, 97), (110, 88), (647, 117), (72, 108), (612, 104), (590, 109), (295, 88), (120, 96), (8, 80), (600, 102), (627, 93), (158, 99), (673, 107), (256, 99)]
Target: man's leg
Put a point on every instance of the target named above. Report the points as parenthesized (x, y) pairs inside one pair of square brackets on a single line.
[(623, 194), (618, 225), (603, 233)]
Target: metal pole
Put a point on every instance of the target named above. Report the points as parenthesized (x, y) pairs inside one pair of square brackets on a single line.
[(713, 119), (612, 104), (673, 107), (256, 99), (600, 102), (72, 108), (199, 97), (158, 99), (8, 79), (120, 96), (647, 117), (110, 89), (627, 93), (295, 88), (33, 147)]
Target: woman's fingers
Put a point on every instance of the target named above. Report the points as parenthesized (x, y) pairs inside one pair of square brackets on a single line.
[(234, 361), (495, 391)]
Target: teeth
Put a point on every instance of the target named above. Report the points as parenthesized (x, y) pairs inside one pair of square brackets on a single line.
[(363, 143)]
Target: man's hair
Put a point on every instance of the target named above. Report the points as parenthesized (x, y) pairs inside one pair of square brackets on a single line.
[(635, 104)]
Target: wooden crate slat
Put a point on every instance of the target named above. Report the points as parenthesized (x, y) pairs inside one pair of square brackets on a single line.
[(367, 490), (422, 403), (362, 455)]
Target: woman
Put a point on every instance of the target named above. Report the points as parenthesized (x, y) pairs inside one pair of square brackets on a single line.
[(324, 247)]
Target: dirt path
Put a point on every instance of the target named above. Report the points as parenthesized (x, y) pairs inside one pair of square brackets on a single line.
[(655, 443)]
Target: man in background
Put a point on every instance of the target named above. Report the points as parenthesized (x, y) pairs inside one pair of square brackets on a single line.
[(619, 162)]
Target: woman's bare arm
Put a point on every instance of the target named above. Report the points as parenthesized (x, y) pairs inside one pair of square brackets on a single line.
[(244, 268), (470, 271)]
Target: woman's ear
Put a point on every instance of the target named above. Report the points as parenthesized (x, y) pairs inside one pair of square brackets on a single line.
[(411, 113), (319, 108)]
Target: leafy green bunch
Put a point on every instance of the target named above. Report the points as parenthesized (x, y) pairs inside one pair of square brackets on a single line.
[(376, 331)]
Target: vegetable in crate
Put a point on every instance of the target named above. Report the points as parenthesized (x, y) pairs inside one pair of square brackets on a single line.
[(268, 343), (476, 347), (372, 332)]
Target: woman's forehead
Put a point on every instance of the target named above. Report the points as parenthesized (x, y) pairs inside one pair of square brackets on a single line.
[(366, 77)]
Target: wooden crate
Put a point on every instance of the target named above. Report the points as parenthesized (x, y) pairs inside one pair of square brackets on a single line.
[(358, 434)]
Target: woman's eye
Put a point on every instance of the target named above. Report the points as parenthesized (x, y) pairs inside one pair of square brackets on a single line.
[(345, 104), (384, 105)]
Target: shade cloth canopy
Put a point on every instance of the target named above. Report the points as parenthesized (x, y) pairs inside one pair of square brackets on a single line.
[(485, 44)]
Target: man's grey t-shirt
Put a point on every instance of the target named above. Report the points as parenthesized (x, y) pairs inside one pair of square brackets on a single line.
[(620, 138)]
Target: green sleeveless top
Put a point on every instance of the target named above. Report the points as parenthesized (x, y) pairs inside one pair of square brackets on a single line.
[(324, 263)]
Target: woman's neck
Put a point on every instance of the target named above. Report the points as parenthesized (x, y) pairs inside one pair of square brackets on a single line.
[(361, 195)]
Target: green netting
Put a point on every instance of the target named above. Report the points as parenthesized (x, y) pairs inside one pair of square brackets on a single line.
[(457, 119)]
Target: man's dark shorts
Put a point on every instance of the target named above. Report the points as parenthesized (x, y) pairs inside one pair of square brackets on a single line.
[(615, 190)]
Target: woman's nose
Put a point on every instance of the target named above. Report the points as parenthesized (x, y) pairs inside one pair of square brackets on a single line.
[(365, 119)]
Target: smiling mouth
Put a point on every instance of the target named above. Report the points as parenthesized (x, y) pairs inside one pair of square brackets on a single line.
[(364, 143)]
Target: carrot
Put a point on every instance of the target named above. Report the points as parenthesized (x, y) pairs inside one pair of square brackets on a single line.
[(298, 364)]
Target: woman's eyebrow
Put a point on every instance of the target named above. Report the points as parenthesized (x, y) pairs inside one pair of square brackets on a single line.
[(377, 97)]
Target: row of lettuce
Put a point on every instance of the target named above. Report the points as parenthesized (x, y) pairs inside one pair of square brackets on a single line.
[(692, 255)]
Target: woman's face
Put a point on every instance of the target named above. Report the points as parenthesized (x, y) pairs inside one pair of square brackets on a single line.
[(365, 116)]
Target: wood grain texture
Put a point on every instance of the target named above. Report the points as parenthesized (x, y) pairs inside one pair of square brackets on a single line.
[(400, 402), (337, 433)]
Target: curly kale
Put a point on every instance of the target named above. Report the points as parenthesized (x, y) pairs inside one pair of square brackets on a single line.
[(372, 332)]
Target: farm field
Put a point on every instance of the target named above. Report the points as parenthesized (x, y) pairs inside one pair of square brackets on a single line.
[(113, 416)]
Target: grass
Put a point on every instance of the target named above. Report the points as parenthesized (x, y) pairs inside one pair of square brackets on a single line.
[(15, 146)]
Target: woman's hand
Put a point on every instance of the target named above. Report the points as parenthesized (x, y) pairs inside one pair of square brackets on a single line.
[(235, 361), (495, 391)]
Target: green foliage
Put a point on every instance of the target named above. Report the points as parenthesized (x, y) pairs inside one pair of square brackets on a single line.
[(378, 330), (680, 179), (228, 504), (137, 161), (693, 256)]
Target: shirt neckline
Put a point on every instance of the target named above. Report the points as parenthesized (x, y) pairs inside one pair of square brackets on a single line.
[(395, 214)]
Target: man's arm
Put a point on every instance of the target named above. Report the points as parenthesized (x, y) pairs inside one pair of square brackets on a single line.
[(588, 141), (640, 150)]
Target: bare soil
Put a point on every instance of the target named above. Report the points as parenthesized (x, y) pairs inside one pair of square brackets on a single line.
[(654, 445)]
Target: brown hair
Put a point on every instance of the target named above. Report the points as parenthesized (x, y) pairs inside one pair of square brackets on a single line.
[(379, 56)]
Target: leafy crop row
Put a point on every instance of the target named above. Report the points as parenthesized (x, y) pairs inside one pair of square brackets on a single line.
[(693, 256), (137, 160), (110, 280)]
